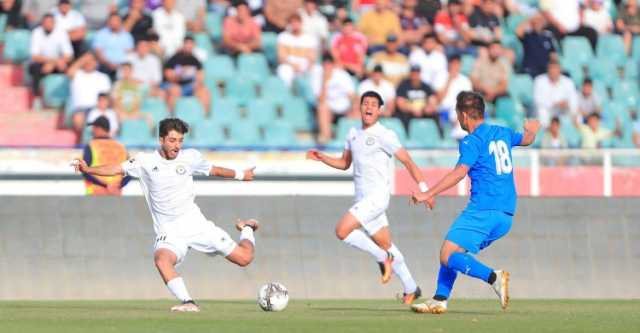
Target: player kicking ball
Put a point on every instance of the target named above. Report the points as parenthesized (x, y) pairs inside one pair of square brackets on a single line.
[(485, 155), (371, 149), (166, 177)]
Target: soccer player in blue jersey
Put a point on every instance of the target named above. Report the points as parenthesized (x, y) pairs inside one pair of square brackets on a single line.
[(485, 155)]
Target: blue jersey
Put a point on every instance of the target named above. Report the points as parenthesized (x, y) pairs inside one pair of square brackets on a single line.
[(487, 153)]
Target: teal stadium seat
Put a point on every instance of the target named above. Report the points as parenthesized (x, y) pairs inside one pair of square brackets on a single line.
[(203, 42), (343, 127), (274, 90), (423, 133), (16, 45), (219, 68), (296, 112), (253, 66), (156, 107), (55, 90), (521, 88), (577, 49), (280, 134), (604, 69), (245, 133), (208, 133), (3, 25), (626, 92), (240, 88), (261, 112), (397, 127), (270, 47), (570, 132), (466, 64), (611, 46), (224, 111), (513, 21), (512, 42), (190, 110), (213, 24), (635, 48), (600, 89), (135, 133)]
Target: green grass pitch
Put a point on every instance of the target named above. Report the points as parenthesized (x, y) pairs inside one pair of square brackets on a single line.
[(320, 316)]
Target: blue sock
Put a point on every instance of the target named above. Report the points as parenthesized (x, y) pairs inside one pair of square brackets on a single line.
[(468, 265), (446, 278)]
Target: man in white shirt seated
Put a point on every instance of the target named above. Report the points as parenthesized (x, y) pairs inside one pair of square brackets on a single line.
[(554, 95), (448, 89), (51, 51), (297, 51), (74, 23), (171, 26), (313, 22), (146, 66), (430, 58)]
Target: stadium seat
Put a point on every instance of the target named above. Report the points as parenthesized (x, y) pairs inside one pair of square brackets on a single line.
[(615, 113), (611, 46), (241, 89), (577, 49), (203, 42), (513, 20), (270, 47), (261, 112), (213, 23), (208, 133), (570, 132), (507, 111), (245, 133), (3, 25), (296, 112), (219, 68), (55, 90), (423, 133), (135, 133), (631, 70), (604, 69), (16, 45), (253, 66), (397, 127), (280, 134), (635, 48), (626, 92), (190, 110), (512, 42), (224, 111), (466, 63), (343, 127), (521, 88), (156, 107), (274, 90), (600, 89)]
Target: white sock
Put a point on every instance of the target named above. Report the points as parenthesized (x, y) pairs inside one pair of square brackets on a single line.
[(402, 271), (247, 233), (360, 240), (178, 289)]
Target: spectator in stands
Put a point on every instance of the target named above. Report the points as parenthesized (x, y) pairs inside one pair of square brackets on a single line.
[(241, 33), (51, 51), (127, 96), (394, 64), (335, 95), (86, 84), (338, 18), (297, 51), (485, 24), (553, 138), (103, 109), (635, 128), (138, 21), (628, 22), (563, 17), (448, 89), (537, 44), (378, 24), (429, 57), (170, 26), (183, 76), (313, 22), (414, 27), (13, 11), (452, 29), (416, 99), (554, 95), (194, 12), (278, 13), (74, 23), (349, 49), (597, 17), (490, 75), (384, 88), (146, 67), (588, 101), (111, 45), (97, 12), (34, 10), (592, 134), (101, 150)]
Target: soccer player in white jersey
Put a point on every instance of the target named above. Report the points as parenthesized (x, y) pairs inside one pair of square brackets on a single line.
[(166, 177), (371, 149)]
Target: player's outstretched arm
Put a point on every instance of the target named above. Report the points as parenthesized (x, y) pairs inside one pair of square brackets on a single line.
[(342, 163), (103, 170), (403, 156), (531, 128), (447, 182), (238, 174)]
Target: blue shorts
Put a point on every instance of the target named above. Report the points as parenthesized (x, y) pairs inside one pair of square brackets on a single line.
[(474, 230), (187, 89)]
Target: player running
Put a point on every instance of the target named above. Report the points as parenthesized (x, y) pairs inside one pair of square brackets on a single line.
[(371, 149), (485, 155), (166, 177)]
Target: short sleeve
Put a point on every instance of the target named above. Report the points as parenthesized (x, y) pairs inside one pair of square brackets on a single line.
[(516, 138), (350, 137), (469, 151), (390, 143), (133, 166), (199, 165)]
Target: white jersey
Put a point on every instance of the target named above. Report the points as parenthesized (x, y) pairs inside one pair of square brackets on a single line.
[(168, 185), (372, 151)]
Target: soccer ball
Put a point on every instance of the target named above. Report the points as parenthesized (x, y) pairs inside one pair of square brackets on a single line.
[(273, 296)]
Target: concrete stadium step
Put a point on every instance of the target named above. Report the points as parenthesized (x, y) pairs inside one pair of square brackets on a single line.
[(14, 99), (33, 129), (11, 75)]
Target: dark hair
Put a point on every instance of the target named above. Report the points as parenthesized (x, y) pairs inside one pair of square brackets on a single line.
[(47, 15), (188, 38), (240, 3), (327, 57), (172, 124), (587, 80), (348, 20), (470, 103), (103, 95), (555, 119), (455, 57), (428, 35), (295, 17), (593, 114), (373, 94)]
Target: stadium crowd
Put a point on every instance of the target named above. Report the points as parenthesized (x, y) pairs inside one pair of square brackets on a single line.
[(262, 71)]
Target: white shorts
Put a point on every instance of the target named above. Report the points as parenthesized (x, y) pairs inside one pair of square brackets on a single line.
[(206, 238), (370, 212)]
